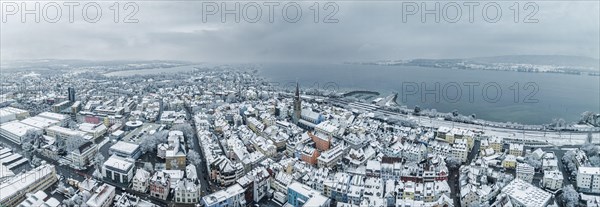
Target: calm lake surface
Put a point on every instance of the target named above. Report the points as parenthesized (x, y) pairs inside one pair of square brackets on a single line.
[(491, 95)]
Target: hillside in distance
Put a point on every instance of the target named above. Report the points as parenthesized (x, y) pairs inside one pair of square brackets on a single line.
[(520, 63)]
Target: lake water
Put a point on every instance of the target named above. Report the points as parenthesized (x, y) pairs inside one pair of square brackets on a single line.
[(491, 95)]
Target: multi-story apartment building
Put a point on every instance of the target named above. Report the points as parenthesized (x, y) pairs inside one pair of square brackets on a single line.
[(84, 155), (496, 143), (140, 180), (159, 185), (103, 197), (233, 196), (460, 150), (588, 179), (187, 191), (516, 149), (525, 172), (552, 180), (331, 157)]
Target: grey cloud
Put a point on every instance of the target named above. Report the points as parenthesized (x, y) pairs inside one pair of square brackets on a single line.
[(366, 31)]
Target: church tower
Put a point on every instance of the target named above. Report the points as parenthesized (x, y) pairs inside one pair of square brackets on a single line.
[(297, 105)]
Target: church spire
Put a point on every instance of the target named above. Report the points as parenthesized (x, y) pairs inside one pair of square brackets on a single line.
[(297, 104), (297, 90)]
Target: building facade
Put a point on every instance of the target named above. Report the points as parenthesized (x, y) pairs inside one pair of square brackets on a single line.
[(588, 179), (159, 185)]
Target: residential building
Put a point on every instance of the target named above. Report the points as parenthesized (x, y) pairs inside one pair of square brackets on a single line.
[(553, 179), (483, 145), (187, 191), (260, 182), (225, 171), (588, 179), (159, 185), (331, 157), (549, 164), (460, 150), (516, 149), (129, 200), (309, 155), (496, 143), (89, 185), (322, 141), (233, 196), (174, 176), (443, 133), (509, 162), (103, 197), (57, 108), (175, 154), (83, 156), (140, 180), (525, 172), (302, 195)]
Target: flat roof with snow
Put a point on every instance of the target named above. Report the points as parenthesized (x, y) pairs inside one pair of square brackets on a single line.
[(124, 147), (527, 194), (118, 163)]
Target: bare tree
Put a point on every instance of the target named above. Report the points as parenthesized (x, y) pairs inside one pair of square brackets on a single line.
[(569, 197), (72, 125), (595, 161), (97, 173), (161, 136), (453, 162), (73, 143), (148, 167), (99, 160), (186, 128), (559, 123), (587, 118), (147, 143), (34, 137), (590, 149), (569, 161), (194, 158), (535, 163), (150, 142), (30, 142), (77, 199), (36, 161)]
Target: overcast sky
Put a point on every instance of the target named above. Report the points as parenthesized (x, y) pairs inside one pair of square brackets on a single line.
[(365, 31)]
